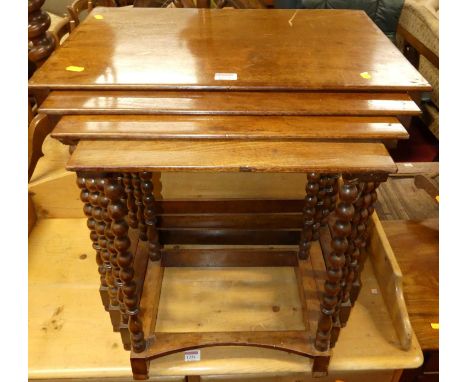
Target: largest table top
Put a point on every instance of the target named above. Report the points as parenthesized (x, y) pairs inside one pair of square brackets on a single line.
[(150, 48)]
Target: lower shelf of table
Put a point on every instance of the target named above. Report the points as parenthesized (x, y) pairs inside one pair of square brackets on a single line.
[(66, 316), (267, 306)]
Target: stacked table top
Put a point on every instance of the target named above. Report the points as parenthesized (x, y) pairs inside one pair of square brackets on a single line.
[(229, 90)]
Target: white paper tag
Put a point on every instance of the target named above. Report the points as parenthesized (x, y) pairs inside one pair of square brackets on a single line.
[(408, 164), (192, 355), (225, 77)]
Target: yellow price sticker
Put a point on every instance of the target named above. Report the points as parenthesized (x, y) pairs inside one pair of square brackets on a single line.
[(73, 68), (365, 75), (99, 17), (435, 325)]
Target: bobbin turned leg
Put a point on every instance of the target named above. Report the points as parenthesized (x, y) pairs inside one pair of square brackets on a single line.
[(91, 223), (320, 366), (326, 204), (309, 212), (117, 212), (103, 223), (366, 209), (350, 254), (327, 198), (140, 369), (119, 308), (131, 203), (150, 214), (341, 228), (136, 182)]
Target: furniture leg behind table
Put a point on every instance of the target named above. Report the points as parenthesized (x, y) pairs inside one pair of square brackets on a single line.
[(109, 236)]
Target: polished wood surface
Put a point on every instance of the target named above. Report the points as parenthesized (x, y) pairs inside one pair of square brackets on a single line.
[(267, 49), (42, 43), (231, 103), (228, 257), (143, 127), (226, 156)]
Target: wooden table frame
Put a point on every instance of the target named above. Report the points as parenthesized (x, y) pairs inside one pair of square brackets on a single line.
[(122, 218), (136, 86)]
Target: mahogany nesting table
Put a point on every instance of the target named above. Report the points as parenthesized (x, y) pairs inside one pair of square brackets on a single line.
[(137, 92)]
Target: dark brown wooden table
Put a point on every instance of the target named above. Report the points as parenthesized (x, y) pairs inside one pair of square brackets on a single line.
[(140, 91)]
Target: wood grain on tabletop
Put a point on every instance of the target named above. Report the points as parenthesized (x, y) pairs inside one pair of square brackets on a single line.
[(420, 270), (231, 156), (150, 48), (230, 103), (76, 127)]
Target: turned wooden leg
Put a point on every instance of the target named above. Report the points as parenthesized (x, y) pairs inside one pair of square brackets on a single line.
[(366, 209), (136, 183), (327, 197), (350, 255), (117, 211), (309, 212), (91, 223), (320, 367), (43, 44), (131, 205), (140, 368), (119, 311), (341, 229), (100, 201), (150, 214)]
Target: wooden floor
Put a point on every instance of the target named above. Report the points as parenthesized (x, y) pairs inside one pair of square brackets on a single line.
[(400, 199)]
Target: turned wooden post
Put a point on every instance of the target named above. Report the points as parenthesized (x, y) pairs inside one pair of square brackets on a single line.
[(119, 308), (309, 213), (117, 211), (350, 255), (136, 183), (42, 44), (366, 209), (328, 196), (91, 223), (341, 229), (150, 214), (100, 202), (131, 206)]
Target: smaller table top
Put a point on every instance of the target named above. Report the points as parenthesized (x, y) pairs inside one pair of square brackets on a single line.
[(162, 48), (232, 156), (240, 127), (228, 103)]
